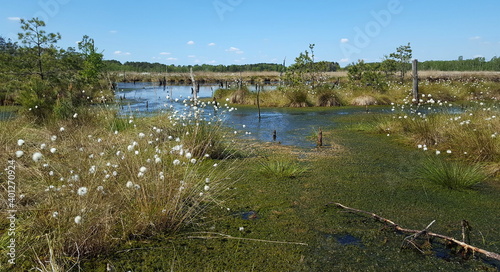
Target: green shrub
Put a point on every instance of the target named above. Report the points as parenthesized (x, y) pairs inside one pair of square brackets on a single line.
[(37, 98), (63, 109)]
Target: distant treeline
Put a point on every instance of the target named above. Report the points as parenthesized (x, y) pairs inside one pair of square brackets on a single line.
[(114, 65), (476, 64)]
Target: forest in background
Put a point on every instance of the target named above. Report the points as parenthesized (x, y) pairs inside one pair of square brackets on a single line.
[(461, 64)]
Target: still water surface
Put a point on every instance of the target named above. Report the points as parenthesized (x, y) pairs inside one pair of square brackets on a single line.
[(293, 126)]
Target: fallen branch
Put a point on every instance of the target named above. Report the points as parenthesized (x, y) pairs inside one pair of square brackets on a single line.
[(464, 245), (411, 239)]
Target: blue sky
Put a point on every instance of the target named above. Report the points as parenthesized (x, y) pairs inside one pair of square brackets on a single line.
[(253, 31)]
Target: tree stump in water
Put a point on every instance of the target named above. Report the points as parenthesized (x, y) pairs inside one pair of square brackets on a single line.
[(320, 137)]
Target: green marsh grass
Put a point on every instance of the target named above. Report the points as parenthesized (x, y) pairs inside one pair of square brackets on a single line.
[(280, 168), (452, 175)]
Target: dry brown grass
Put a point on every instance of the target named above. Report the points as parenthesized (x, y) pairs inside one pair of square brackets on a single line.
[(364, 100), (459, 74)]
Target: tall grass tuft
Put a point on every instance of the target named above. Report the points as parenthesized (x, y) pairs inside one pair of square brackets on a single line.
[(298, 98), (452, 175), (279, 168), (327, 97)]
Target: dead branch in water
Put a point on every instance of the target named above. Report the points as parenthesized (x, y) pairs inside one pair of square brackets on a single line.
[(466, 247)]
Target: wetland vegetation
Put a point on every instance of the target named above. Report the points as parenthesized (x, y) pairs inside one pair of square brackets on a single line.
[(193, 188)]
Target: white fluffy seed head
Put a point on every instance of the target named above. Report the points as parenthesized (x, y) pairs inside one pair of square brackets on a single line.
[(19, 153), (37, 156), (82, 191)]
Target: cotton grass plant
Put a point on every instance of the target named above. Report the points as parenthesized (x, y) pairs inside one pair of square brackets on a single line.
[(108, 180), (470, 132)]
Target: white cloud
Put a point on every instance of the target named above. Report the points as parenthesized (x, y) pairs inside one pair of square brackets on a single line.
[(190, 42), (165, 53), (13, 18), (235, 50), (120, 53), (344, 60), (212, 62), (113, 31), (191, 56), (344, 40), (173, 59), (211, 44), (475, 38)]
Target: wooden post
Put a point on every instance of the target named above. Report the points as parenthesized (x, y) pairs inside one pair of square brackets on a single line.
[(320, 137), (274, 135), (282, 70), (466, 229), (240, 82), (195, 87), (258, 99), (415, 80)]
